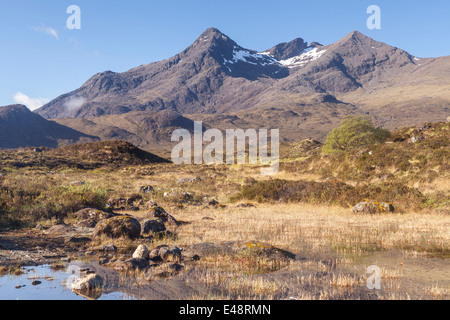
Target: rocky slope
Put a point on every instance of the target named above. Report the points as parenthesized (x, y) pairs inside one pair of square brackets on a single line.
[(216, 75)]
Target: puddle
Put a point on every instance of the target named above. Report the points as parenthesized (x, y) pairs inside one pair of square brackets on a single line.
[(416, 274), (52, 285)]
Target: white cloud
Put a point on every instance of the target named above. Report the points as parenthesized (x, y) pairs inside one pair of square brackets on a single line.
[(74, 103), (47, 30), (31, 103)]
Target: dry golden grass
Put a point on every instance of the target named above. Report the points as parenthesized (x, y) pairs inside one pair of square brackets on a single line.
[(317, 234)]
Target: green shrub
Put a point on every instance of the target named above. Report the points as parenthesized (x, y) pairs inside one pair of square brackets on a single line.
[(354, 132)]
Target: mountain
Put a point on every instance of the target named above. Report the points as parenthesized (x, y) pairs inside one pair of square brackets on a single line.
[(216, 78), (19, 127), (149, 130)]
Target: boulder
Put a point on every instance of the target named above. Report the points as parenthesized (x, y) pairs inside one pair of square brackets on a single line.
[(164, 271), (180, 196), (131, 264), (122, 203), (117, 227), (189, 180), (154, 225), (141, 253), (369, 207), (108, 248), (213, 203), (246, 205), (89, 286), (94, 214), (90, 217), (162, 215), (262, 250), (146, 189), (166, 253), (60, 229), (77, 183), (248, 248)]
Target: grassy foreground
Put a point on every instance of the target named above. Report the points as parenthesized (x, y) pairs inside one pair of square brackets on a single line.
[(305, 209)]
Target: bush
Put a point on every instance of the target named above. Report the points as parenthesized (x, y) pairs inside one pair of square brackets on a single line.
[(41, 199), (354, 132), (332, 192)]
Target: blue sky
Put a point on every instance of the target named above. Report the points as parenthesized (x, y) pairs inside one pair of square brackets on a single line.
[(41, 59)]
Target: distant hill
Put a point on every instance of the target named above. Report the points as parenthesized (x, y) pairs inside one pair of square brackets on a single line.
[(19, 127), (82, 156)]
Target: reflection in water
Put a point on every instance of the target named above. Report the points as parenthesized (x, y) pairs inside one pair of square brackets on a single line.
[(55, 285)]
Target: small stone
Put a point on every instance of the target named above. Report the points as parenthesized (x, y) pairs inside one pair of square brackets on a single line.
[(141, 253)]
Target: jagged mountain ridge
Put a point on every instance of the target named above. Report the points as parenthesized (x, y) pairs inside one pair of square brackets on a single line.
[(216, 75)]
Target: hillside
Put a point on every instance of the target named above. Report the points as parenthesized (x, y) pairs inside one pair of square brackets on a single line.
[(82, 156), (215, 75), (19, 127), (411, 169)]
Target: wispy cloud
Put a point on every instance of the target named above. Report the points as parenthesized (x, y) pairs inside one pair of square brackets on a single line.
[(31, 103), (47, 30), (74, 103)]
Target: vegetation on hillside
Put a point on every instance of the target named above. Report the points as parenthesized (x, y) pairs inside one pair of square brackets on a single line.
[(354, 132), (411, 170)]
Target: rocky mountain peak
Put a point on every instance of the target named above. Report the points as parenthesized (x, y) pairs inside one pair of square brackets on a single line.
[(287, 50)]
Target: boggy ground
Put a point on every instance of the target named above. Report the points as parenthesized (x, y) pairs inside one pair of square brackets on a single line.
[(332, 246)]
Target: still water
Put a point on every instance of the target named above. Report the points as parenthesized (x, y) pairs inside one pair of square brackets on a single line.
[(52, 286)]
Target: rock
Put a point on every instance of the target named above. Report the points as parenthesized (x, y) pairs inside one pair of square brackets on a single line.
[(36, 283), (180, 196), (263, 250), (166, 253), (213, 203), (117, 227), (90, 217), (88, 223), (415, 139), (131, 264), (164, 271), (94, 214), (150, 204), (108, 248), (160, 213), (141, 253), (60, 229), (122, 203), (89, 286), (373, 207), (154, 225), (189, 180), (146, 189), (246, 205), (77, 183), (253, 248), (206, 249)]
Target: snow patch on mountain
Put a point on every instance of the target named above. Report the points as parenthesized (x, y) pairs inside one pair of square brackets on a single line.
[(308, 55), (247, 56)]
